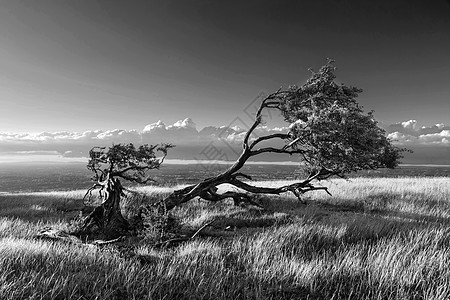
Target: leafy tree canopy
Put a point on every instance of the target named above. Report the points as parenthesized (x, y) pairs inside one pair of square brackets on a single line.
[(126, 161), (330, 130)]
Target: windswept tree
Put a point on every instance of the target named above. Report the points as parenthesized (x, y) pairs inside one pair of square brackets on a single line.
[(328, 130), (109, 166)]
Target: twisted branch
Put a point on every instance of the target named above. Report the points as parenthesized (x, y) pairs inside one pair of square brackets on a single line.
[(207, 189)]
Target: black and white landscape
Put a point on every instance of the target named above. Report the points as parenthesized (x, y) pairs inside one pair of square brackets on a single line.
[(224, 149)]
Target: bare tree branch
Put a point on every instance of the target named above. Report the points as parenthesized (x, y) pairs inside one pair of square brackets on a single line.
[(275, 150), (291, 143), (283, 136), (89, 191)]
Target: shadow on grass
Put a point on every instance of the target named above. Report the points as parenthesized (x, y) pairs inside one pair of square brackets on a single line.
[(35, 208), (394, 206), (363, 222), (369, 219)]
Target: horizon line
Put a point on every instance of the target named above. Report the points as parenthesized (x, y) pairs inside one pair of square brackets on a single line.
[(191, 162)]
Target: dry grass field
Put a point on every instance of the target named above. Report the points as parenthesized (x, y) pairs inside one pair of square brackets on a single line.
[(375, 238)]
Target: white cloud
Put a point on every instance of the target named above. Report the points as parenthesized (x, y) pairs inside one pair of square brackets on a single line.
[(36, 153), (442, 137), (410, 127), (188, 140), (411, 124), (186, 123), (238, 136), (402, 138), (120, 136), (181, 132), (155, 126), (160, 126), (407, 127), (408, 133)]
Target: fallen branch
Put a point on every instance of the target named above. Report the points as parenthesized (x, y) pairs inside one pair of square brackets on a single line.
[(101, 243), (179, 240), (201, 228)]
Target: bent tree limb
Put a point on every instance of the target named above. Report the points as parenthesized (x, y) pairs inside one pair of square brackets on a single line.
[(329, 131), (207, 189)]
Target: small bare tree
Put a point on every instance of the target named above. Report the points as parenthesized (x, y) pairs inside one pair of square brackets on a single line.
[(328, 130), (109, 165)]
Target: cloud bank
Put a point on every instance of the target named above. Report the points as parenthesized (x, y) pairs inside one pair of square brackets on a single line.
[(209, 143), (409, 134)]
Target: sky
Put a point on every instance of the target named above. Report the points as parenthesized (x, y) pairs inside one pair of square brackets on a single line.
[(73, 73)]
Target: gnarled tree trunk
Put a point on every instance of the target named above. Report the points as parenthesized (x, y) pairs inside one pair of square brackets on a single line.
[(107, 217)]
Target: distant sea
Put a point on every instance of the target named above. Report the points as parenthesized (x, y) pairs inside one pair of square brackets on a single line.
[(22, 177)]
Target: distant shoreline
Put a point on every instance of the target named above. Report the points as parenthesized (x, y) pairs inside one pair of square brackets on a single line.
[(424, 165), (200, 162)]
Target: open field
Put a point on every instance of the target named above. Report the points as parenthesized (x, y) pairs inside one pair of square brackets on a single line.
[(375, 238), (46, 177)]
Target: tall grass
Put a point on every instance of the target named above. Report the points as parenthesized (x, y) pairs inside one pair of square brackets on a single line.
[(373, 239)]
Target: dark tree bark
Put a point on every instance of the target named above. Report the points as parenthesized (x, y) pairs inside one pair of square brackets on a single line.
[(107, 217)]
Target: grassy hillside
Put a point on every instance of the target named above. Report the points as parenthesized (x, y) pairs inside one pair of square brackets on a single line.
[(373, 239)]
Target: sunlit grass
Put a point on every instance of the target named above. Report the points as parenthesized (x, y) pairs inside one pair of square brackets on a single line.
[(374, 238)]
